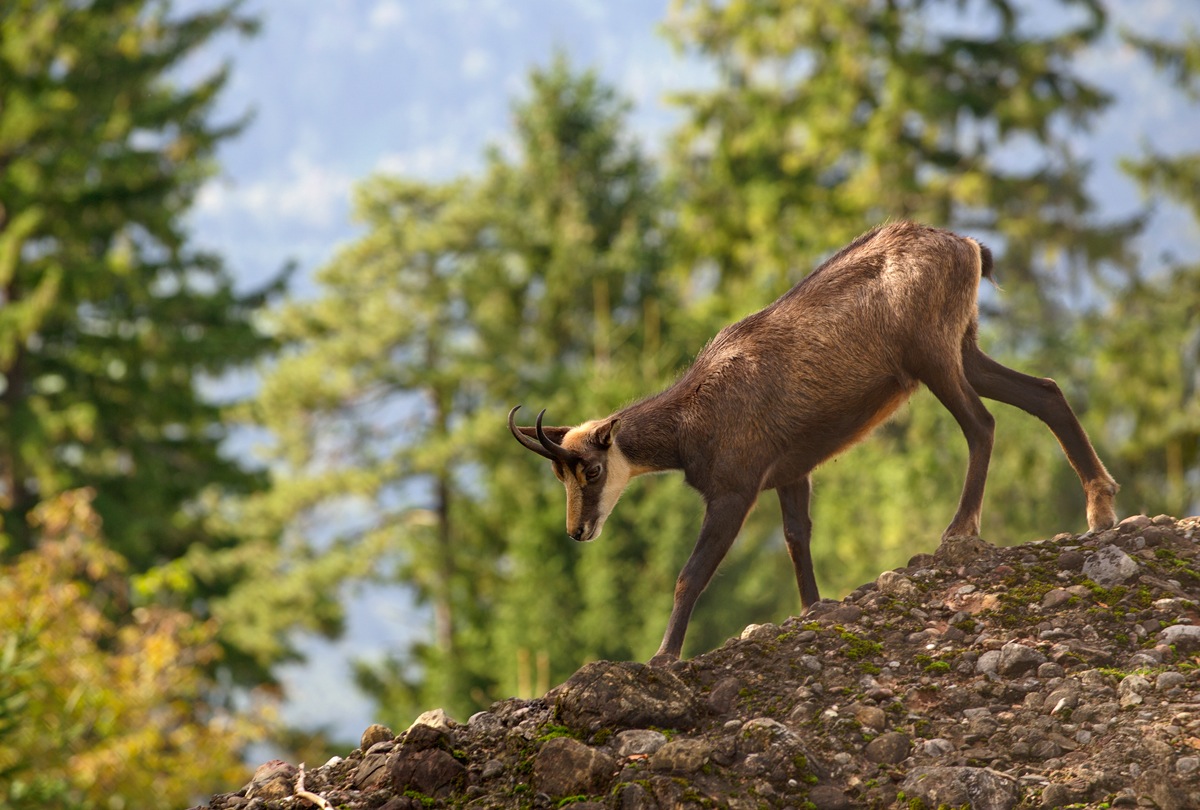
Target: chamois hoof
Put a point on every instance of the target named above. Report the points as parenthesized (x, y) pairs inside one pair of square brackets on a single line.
[(663, 660)]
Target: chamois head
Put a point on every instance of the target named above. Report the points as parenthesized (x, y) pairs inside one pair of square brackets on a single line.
[(586, 459)]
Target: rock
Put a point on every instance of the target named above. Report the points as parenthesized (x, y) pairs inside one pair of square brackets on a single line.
[(838, 614), (681, 756), (871, 717), (1169, 680), (420, 737), (988, 663), (632, 796), (1134, 522), (1109, 566), (1056, 597), (566, 767), (1071, 560), (372, 772), (1017, 659), (431, 771), (435, 718), (937, 747), (958, 551), (724, 695), (761, 734), (625, 695), (1184, 637), (272, 780), (829, 797), (977, 788), (639, 741), (888, 749), (1058, 795), (1132, 688), (898, 585), (375, 733)]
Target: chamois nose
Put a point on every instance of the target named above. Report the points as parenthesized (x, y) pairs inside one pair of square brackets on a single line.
[(576, 535)]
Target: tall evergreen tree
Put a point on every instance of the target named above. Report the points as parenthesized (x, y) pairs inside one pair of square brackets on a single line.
[(1147, 345), (109, 317)]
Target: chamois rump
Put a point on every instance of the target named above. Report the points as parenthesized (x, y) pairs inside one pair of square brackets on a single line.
[(777, 393)]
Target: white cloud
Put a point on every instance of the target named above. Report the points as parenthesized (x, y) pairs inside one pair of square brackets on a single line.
[(387, 14), (441, 160), (308, 193), (476, 63)]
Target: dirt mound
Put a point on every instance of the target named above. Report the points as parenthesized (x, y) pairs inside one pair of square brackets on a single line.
[(1060, 673)]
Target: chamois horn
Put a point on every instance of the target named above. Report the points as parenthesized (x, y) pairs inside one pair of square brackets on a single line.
[(544, 446)]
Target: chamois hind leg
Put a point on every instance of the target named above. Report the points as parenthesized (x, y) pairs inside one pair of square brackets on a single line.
[(797, 531), (950, 386), (722, 522), (1041, 397)]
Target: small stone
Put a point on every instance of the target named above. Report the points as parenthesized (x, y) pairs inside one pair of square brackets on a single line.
[(829, 797), (1135, 522), (431, 771), (681, 756), (1018, 659), (1131, 689), (761, 734), (272, 780), (434, 718), (988, 662), (871, 717), (977, 788), (898, 585), (1059, 795), (1071, 560), (1109, 566), (1187, 765), (809, 663), (724, 694), (566, 767), (1050, 670), (372, 771), (639, 741), (375, 733), (956, 551), (843, 614), (937, 747), (1056, 597), (891, 748), (1169, 680), (1185, 637)]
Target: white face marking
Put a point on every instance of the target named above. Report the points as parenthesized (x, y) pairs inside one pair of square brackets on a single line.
[(618, 471)]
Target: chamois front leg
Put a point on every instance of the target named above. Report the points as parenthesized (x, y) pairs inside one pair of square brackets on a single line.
[(951, 388), (722, 521), (797, 531)]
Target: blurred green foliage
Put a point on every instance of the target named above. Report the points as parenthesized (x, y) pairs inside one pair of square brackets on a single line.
[(103, 712)]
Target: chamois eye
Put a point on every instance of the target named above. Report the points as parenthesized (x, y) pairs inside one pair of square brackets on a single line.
[(593, 472)]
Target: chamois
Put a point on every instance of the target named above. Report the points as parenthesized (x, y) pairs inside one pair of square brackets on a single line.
[(777, 393)]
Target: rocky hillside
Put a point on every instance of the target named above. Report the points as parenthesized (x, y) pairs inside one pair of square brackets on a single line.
[(1060, 673)]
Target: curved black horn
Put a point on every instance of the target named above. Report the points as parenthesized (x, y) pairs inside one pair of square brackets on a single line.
[(557, 451), (529, 443)]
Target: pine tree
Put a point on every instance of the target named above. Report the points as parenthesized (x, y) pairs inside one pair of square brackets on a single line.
[(110, 317)]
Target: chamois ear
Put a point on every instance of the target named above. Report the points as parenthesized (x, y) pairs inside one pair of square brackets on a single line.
[(604, 433)]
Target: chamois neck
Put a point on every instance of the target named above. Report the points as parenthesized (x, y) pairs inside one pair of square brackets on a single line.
[(648, 436)]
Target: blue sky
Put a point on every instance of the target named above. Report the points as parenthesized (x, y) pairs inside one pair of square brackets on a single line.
[(344, 88)]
